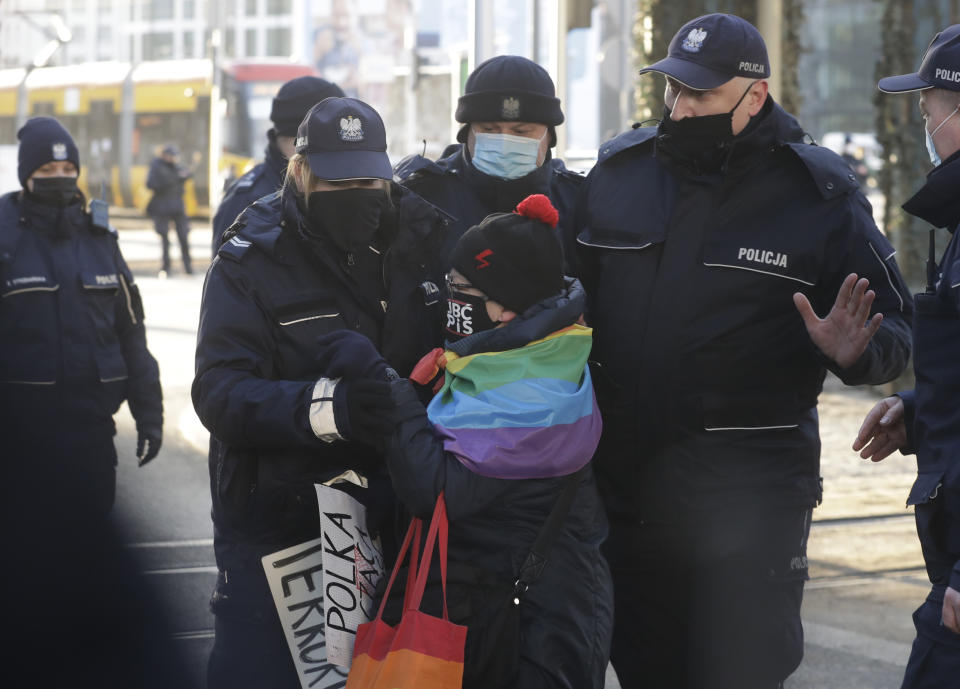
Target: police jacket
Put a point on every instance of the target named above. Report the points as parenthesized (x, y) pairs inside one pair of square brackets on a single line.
[(931, 408), (455, 185), (269, 294), (72, 340), (166, 180), (566, 619), (707, 378), (264, 179)]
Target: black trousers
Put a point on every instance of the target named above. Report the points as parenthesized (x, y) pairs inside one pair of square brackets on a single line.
[(710, 604), (935, 656), (161, 223)]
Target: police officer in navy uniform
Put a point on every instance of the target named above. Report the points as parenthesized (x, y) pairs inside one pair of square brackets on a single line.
[(340, 250), (509, 112), (72, 340), (926, 420), (707, 247), (291, 103), (166, 178)]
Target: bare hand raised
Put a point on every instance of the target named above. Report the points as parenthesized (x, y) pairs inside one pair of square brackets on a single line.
[(884, 428), (844, 333)]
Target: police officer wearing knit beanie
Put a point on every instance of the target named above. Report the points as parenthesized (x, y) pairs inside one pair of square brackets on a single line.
[(72, 343), (290, 105), (509, 112)]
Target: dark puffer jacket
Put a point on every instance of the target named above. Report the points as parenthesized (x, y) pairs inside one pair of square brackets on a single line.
[(566, 616), (166, 180)]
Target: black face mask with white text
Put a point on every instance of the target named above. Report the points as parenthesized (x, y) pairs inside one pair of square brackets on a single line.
[(466, 314), (699, 142)]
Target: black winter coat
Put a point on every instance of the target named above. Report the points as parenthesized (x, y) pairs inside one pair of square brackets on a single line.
[(72, 340), (931, 409), (264, 179), (566, 616), (455, 185), (707, 378), (166, 180), (269, 294)]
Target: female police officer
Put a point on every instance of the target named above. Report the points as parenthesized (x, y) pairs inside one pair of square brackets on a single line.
[(338, 248), (72, 341)]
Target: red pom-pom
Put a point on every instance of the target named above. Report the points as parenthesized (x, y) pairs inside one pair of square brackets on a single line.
[(538, 207)]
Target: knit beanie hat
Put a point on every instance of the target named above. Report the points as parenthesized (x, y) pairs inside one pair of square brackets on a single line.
[(508, 88), (514, 258), (43, 139), (294, 100)]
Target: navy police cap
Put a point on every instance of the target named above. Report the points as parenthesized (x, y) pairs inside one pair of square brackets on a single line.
[(713, 49), (344, 138), (940, 67)]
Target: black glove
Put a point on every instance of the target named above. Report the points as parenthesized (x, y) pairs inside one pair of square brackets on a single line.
[(148, 444), (362, 410), (348, 354)]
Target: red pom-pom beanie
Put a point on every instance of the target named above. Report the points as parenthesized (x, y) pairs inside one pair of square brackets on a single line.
[(514, 258)]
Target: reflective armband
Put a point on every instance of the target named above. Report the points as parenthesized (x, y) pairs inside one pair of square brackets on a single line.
[(322, 422)]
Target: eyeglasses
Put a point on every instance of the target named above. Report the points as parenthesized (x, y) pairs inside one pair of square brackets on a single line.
[(461, 287)]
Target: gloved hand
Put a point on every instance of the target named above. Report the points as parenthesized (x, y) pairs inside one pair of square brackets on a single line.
[(362, 410), (148, 444), (348, 354)]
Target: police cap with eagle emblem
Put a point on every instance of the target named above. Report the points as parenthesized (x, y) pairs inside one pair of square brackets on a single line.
[(939, 68), (713, 49), (344, 138), (508, 88)]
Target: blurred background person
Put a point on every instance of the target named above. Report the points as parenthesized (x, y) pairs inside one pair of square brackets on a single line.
[(166, 179), (289, 106)]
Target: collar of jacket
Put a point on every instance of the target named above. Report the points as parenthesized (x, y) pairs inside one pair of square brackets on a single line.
[(937, 201), (770, 128), (541, 319), (54, 221), (275, 160)]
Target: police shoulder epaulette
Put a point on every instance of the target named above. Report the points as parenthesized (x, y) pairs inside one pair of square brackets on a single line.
[(831, 175), (629, 139), (234, 246), (249, 179)]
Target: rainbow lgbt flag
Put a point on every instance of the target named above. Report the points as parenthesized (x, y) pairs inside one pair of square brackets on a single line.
[(528, 412)]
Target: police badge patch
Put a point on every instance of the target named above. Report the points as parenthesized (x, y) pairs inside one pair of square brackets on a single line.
[(351, 129), (694, 40), (511, 108), (59, 151)]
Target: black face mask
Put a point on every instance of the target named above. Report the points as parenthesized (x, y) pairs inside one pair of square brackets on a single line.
[(350, 218), (55, 191), (701, 141), (466, 314)]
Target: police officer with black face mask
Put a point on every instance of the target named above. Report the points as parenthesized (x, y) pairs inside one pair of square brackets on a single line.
[(727, 266), (291, 103), (926, 420), (72, 340), (510, 113), (340, 250)]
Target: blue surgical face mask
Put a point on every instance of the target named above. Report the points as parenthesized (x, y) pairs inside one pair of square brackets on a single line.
[(931, 149), (505, 156)]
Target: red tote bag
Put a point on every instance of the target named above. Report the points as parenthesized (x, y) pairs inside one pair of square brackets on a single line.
[(421, 652)]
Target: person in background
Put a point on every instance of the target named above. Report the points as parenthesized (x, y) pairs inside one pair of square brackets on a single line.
[(510, 113), (708, 246), (926, 420), (339, 249), (291, 103), (166, 179), (72, 340)]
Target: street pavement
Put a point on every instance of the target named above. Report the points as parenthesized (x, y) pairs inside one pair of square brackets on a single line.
[(865, 564)]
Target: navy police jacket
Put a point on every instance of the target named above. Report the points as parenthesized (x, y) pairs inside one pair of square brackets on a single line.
[(706, 376), (453, 184), (261, 180), (72, 340), (931, 408), (269, 294), (166, 180)]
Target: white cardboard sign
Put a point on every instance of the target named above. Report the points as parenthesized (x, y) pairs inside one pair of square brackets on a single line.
[(352, 567), (295, 578)]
